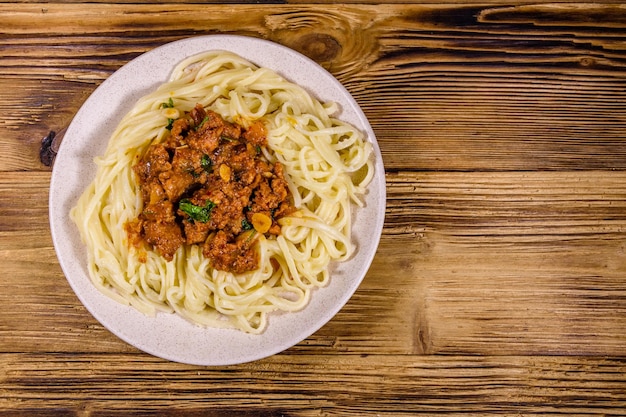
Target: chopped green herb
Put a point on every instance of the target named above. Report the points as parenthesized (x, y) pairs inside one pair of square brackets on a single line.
[(206, 119), (168, 105), (192, 172), (252, 233), (197, 213), (246, 225), (206, 163)]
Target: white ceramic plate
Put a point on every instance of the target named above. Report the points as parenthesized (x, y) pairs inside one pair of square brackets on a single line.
[(168, 335)]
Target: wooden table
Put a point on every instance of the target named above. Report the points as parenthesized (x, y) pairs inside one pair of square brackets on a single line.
[(499, 286)]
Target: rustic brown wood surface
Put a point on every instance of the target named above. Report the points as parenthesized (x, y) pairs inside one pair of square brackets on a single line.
[(500, 283)]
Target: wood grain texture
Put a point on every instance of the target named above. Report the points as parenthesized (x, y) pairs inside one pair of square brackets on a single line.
[(445, 87), (481, 263), (316, 385), (499, 285)]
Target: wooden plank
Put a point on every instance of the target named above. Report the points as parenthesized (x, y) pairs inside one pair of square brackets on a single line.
[(313, 385), (532, 257), (445, 87), (469, 263), (505, 3)]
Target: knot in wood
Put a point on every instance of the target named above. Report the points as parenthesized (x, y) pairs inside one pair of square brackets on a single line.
[(318, 46), (587, 62)]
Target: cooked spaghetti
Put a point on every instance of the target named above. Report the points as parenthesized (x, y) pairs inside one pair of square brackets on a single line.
[(326, 166)]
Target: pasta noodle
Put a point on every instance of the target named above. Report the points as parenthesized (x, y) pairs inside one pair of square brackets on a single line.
[(327, 165)]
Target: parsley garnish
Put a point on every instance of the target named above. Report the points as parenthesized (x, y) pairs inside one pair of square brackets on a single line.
[(206, 163), (245, 224), (206, 119), (197, 213), (168, 105)]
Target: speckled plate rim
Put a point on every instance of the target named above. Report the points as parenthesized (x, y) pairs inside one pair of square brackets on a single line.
[(168, 336)]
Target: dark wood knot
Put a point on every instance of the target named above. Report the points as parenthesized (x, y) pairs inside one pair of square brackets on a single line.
[(319, 47), (587, 62), (50, 147)]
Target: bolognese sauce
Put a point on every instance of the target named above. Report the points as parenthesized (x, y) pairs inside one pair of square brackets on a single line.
[(209, 184)]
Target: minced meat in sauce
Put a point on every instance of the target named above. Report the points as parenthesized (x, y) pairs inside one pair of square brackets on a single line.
[(209, 184)]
